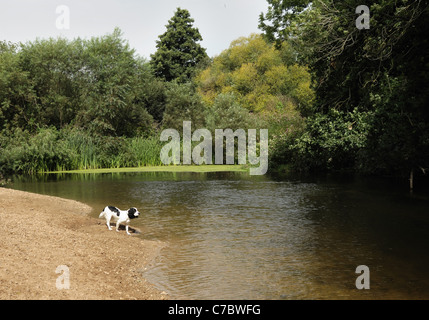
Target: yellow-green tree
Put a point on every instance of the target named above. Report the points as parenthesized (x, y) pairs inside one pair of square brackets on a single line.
[(258, 74)]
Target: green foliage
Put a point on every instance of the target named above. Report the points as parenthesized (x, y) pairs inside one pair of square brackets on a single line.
[(285, 125), (226, 112), (145, 151), (279, 16), (257, 75), (183, 104), (332, 97), (178, 51), (347, 63), (399, 131), (331, 141), (97, 85), (71, 149), (24, 153), (151, 93), (18, 107), (51, 66), (110, 71), (380, 73)]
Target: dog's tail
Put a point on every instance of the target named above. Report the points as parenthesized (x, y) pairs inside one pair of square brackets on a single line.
[(101, 214)]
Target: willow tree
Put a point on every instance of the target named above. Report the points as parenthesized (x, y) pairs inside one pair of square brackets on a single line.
[(258, 75)]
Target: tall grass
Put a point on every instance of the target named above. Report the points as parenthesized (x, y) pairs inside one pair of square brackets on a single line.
[(83, 150), (146, 151), (72, 149)]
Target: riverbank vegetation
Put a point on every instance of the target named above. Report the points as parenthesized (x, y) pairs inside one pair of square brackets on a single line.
[(162, 168), (370, 110), (332, 96)]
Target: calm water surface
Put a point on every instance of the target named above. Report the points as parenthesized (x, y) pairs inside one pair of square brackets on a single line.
[(234, 236)]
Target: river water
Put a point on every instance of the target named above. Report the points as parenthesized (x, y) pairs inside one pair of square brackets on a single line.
[(235, 236)]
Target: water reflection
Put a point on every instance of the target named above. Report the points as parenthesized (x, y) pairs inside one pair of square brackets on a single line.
[(234, 236)]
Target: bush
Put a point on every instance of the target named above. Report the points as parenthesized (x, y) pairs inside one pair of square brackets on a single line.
[(331, 141), (23, 153), (285, 126)]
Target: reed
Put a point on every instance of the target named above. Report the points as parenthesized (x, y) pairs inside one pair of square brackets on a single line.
[(83, 151), (72, 149), (146, 151)]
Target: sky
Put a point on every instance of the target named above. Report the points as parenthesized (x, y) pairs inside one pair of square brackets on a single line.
[(141, 21)]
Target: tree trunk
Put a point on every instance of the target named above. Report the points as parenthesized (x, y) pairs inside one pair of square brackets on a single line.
[(411, 180)]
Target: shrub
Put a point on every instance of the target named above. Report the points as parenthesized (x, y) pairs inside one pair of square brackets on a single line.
[(331, 141)]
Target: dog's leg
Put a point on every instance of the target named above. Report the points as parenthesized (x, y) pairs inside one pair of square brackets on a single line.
[(117, 226), (108, 223), (126, 228)]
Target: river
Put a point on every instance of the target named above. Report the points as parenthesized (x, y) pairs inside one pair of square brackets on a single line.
[(236, 236)]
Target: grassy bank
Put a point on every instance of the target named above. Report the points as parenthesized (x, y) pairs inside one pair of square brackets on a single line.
[(187, 168), (75, 151), (51, 149)]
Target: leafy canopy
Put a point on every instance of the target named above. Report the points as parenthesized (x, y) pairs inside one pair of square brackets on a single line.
[(257, 74), (377, 75), (97, 85)]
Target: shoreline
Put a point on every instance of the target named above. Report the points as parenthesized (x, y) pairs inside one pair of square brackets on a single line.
[(40, 233), (207, 168)]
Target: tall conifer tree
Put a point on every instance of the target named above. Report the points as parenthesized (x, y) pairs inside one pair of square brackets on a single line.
[(178, 51)]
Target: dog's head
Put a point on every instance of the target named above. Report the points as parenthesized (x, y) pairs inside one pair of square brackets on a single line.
[(133, 213)]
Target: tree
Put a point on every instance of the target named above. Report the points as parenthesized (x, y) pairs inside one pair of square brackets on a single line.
[(226, 112), (18, 100), (183, 104), (382, 71), (112, 78), (53, 66), (279, 16), (98, 85), (178, 51), (258, 74)]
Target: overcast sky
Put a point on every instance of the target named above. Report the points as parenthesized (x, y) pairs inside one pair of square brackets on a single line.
[(141, 21)]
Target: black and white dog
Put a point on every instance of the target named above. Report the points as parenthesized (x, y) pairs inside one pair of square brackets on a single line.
[(119, 216)]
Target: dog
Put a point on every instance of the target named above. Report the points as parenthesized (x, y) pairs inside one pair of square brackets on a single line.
[(119, 216)]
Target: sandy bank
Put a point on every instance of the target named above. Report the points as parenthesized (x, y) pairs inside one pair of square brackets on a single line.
[(39, 233)]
